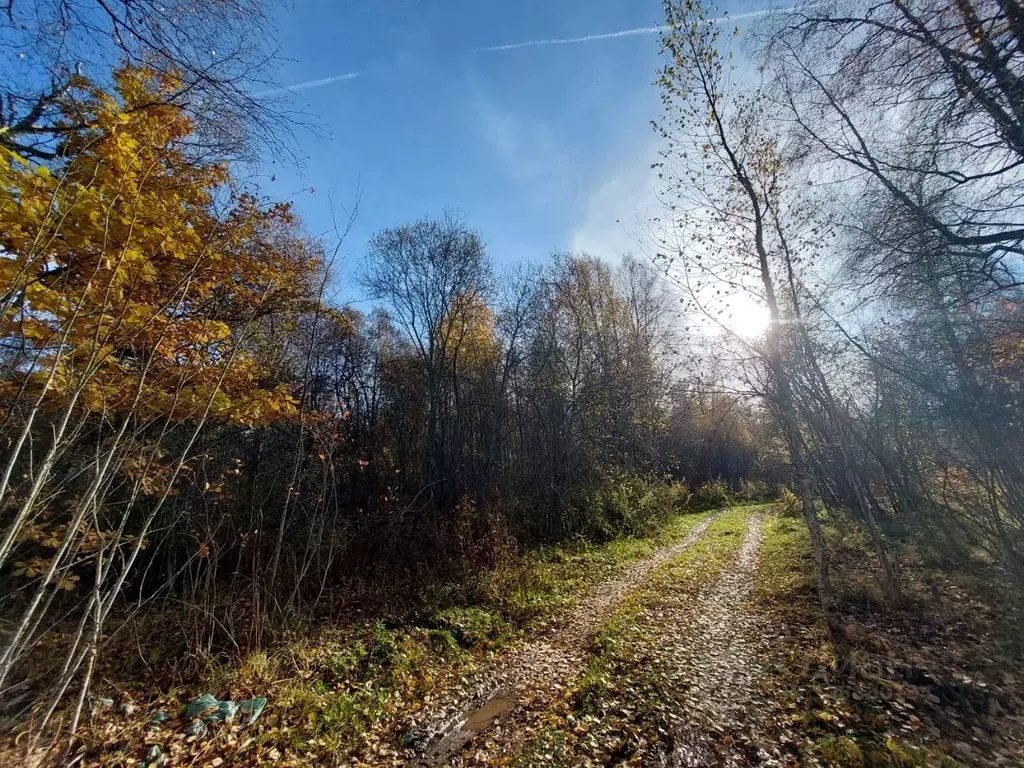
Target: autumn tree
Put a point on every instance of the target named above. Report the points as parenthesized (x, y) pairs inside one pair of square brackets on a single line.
[(724, 178), (217, 55), (431, 275), (133, 279)]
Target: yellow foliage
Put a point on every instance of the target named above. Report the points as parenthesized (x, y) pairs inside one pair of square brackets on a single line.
[(469, 326), (130, 271)]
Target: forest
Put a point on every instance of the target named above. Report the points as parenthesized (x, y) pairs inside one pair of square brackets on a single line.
[(516, 514)]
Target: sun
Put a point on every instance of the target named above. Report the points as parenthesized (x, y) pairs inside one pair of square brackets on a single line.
[(745, 316)]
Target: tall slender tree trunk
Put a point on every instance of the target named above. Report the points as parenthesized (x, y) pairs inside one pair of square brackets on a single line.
[(695, 76), (889, 580), (783, 397)]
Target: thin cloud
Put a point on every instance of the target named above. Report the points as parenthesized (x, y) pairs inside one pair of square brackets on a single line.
[(621, 33), (308, 84)]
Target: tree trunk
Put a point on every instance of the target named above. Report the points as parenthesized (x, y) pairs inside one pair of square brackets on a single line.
[(890, 582), (798, 459), (783, 397)]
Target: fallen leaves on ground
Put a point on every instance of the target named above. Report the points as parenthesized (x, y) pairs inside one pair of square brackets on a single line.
[(929, 683)]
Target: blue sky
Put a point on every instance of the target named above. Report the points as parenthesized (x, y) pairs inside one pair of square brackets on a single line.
[(541, 147)]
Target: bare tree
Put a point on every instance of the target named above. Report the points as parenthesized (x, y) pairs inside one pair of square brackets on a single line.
[(217, 54), (913, 111), (724, 175), (428, 274)]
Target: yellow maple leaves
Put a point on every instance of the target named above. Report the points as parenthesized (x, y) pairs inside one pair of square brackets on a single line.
[(131, 272)]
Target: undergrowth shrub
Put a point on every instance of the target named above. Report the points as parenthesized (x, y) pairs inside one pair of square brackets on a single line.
[(789, 504), (756, 491), (470, 626), (628, 505), (710, 495), (393, 562)]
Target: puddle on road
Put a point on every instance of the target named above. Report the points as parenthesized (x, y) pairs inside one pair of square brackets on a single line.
[(484, 716)]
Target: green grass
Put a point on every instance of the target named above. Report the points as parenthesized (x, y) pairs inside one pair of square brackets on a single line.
[(552, 579), (785, 572)]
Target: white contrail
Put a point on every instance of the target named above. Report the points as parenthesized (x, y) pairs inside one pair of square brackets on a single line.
[(569, 40), (308, 84), (532, 43), (621, 33)]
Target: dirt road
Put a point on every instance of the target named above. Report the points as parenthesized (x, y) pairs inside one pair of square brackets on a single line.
[(538, 671)]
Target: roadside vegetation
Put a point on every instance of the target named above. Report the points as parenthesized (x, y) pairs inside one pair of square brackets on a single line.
[(932, 683), (339, 692)]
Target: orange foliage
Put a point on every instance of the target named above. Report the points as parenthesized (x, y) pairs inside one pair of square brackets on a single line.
[(130, 272)]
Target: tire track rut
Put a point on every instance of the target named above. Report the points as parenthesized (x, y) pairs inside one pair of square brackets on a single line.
[(716, 644), (541, 668)]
